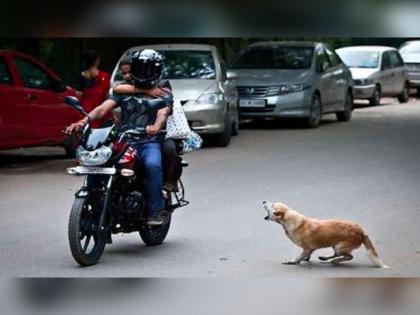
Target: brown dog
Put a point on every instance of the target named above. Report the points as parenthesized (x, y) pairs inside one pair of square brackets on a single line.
[(312, 234)]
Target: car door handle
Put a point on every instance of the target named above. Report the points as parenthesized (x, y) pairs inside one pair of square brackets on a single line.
[(31, 97)]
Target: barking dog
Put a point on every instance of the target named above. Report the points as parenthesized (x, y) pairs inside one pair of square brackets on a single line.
[(312, 234)]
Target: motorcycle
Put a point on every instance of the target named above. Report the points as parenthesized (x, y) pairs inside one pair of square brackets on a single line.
[(112, 199)]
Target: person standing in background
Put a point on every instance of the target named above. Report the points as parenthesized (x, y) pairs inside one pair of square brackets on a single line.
[(95, 85)]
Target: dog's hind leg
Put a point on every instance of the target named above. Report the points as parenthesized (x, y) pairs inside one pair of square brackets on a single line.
[(305, 255), (343, 257), (325, 258), (307, 258)]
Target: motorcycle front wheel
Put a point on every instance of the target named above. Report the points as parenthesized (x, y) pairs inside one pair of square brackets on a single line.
[(86, 244)]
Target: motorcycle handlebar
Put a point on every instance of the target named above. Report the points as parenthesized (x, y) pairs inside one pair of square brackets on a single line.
[(140, 132)]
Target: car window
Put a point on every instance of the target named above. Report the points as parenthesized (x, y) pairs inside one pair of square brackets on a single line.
[(275, 57), (321, 57), (334, 59), (359, 58), (189, 64), (32, 75), (386, 61), (396, 60), (411, 48), (5, 77)]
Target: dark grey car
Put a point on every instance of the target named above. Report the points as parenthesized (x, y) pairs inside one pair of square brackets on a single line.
[(293, 80)]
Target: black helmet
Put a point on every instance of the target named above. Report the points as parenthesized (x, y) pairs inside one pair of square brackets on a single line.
[(146, 67)]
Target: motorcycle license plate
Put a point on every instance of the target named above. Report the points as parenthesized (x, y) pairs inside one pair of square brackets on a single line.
[(83, 170)]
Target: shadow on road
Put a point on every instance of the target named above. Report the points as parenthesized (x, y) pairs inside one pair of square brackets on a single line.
[(284, 124), (17, 159)]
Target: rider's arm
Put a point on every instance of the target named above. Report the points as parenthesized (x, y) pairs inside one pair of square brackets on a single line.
[(131, 89), (95, 114), (162, 116), (100, 111)]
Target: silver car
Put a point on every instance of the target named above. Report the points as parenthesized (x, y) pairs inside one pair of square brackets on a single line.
[(377, 71), (410, 52), (200, 81), (293, 80)]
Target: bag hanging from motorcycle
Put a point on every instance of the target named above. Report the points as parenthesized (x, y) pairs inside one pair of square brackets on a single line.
[(177, 125)]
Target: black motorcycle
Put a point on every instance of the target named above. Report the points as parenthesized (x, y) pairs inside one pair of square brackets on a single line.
[(112, 199)]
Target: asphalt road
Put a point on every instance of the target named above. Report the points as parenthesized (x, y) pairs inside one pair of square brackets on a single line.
[(367, 170)]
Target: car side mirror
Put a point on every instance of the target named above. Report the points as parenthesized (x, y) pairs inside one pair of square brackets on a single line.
[(230, 76), (322, 67), (58, 86)]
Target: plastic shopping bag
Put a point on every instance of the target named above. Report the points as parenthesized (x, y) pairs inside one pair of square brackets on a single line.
[(193, 142)]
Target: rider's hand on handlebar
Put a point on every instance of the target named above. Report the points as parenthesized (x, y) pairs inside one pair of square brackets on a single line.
[(75, 127), (152, 130)]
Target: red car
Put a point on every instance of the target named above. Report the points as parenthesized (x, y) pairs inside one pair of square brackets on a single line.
[(32, 109)]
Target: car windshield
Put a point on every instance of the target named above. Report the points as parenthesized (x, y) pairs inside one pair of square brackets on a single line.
[(188, 64), (286, 57), (413, 48), (359, 58)]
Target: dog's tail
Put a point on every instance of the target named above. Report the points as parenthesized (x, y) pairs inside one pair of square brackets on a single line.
[(373, 254)]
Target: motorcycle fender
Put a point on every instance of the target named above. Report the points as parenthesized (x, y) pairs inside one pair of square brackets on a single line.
[(83, 192)]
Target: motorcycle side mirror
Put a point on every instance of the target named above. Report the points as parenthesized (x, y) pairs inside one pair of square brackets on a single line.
[(75, 103)]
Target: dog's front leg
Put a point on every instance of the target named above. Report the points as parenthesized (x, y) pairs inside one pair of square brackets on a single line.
[(305, 254)]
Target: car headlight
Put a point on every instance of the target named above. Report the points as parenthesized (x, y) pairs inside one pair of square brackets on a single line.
[(93, 158), (365, 81), (209, 98), (292, 88)]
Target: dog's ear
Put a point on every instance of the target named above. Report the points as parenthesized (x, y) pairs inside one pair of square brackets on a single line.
[(278, 213), (279, 210)]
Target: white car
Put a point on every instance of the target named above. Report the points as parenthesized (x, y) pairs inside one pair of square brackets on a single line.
[(410, 52), (202, 84), (377, 71)]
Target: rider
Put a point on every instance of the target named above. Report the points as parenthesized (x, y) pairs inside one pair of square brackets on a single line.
[(136, 111), (171, 161)]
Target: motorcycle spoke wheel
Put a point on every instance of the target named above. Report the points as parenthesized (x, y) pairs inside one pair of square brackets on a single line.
[(86, 244)]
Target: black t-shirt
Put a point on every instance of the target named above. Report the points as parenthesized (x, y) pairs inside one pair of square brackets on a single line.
[(139, 110)]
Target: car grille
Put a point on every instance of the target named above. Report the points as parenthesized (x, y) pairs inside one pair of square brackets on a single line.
[(258, 91), (258, 110), (357, 82)]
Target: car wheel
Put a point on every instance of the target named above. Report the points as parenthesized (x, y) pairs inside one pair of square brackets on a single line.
[(345, 115), (70, 146), (314, 120), (235, 125), (376, 97), (405, 94), (223, 139)]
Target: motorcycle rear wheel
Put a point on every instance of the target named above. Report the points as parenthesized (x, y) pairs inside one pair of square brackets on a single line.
[(155, 235), (82, 230)]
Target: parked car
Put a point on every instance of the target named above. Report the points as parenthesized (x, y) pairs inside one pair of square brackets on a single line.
[(293, 80), (201, 83), (377, 71), (31, 94), (410, 53)]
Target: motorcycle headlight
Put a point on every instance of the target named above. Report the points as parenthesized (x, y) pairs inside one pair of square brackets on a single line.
[(209, 98), (292, 88), (93, 158)]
